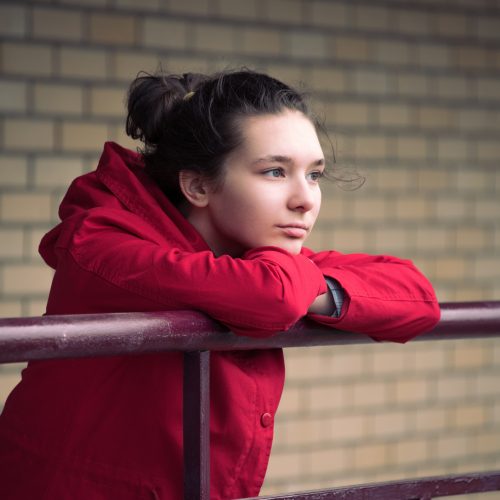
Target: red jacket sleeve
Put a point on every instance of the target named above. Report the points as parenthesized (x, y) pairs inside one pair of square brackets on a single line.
[(265, 291), (385, 297)]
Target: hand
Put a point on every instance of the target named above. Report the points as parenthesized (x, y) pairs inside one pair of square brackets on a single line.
[(323, 304)]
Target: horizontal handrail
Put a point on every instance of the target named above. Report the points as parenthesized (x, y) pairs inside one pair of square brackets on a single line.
[(66, 336)]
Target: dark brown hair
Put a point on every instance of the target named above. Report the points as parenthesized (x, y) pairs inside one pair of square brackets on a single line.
[(192, 121)]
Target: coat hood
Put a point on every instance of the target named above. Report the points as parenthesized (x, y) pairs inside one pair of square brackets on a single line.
[(120, 183)]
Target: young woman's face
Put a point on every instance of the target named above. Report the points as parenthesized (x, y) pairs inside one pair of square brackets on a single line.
[(270, 193)]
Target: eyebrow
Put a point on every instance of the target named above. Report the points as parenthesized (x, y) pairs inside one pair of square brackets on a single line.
[(285, 159)]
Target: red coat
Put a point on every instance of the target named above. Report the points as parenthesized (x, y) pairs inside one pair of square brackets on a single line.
[(110, 428)]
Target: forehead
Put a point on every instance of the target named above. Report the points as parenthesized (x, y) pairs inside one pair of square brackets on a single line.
[(289, 133)]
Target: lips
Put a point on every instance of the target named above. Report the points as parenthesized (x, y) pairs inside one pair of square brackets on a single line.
[(294, 230)]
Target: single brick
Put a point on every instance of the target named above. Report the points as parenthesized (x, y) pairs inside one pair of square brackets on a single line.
[(487, 209), (415, 390), (83, 63), (25, 207), (165, 33), (326, 397), (454, 387), (428, 359), (36, 307), (371, 82), (392, 358), (283, 465), (82, 136), (328, 461), (412, 148), (197, 7), (57, 24), (243, 9), (58, 99), (469, 415), (25, 134), (391, 240), (13, 96), (214, 38), (432, 117), (12, 243), (347, 240), (33, 237), (292, 74), (450, 149), (12, 20), (26, 59), (113, 29), (436, 239), (327, 79), (366, 394), (474, 180), (149, 5), (372, 18), (487, 28), (56, 171), (128, 64), (449, 24), (329, 14), (412, 22), (410, 451), (283, 11), (451, 267), (472, 238), (452, 87), (305, 44), (26, 279), (348, 48), (434, 55), (431, 419), (292, 401), (370, 456), (370, 209), (371, 146), (10, 308), (393, 423), (486, 442), (413, 84), (412, 208), (262, 41), (13, 170), (451, 447), (488, 150), (393, 53), (350, 113), (471, 57), (450, 209), (349, 427), (108, 101)]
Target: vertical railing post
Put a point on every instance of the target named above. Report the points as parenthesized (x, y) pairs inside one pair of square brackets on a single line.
[(196, 425)]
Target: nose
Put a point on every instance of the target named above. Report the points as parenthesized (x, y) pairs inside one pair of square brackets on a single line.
[(303, 196)]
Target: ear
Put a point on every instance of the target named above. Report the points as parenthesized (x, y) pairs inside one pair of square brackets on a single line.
[(194, 187)]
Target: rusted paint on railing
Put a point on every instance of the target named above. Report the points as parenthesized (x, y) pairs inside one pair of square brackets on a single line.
[(50, 337), (413, 489)]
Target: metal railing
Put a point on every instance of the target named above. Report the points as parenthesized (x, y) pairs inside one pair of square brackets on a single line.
[(51, 337)]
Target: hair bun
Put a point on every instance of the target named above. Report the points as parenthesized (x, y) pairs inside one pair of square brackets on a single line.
[(150, 102)]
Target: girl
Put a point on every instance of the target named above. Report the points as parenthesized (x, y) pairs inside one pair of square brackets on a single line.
[(212, 215)]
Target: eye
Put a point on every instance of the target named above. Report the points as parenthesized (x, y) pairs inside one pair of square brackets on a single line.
[(274, 172), (315, 176)]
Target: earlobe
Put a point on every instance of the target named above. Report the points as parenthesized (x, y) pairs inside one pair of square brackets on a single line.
[(194, 187)]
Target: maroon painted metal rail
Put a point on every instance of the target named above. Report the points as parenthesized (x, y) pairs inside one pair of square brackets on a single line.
[(51, 337)]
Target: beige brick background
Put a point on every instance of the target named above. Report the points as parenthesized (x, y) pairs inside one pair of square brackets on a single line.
[(410, 93)]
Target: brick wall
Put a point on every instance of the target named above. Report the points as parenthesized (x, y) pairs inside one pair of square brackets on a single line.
[(410, 91)]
